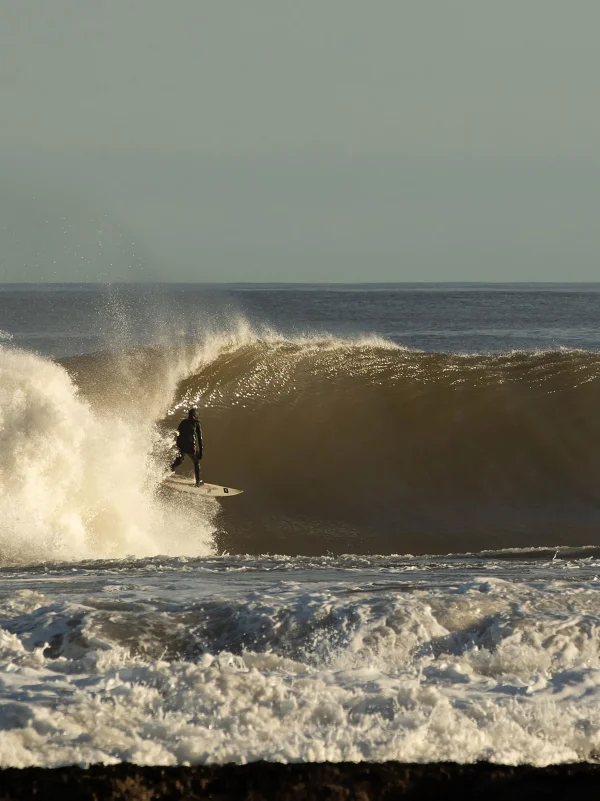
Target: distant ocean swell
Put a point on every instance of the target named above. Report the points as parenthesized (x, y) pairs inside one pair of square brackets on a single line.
[(341, 446)]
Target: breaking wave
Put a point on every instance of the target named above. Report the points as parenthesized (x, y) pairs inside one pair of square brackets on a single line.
[(365, 447), (341, 446), (78, 480)]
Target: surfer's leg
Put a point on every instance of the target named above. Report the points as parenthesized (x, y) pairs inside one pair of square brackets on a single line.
[(199, 481), (178, 460)]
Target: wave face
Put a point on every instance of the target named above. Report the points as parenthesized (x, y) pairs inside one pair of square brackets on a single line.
[(365, 447)]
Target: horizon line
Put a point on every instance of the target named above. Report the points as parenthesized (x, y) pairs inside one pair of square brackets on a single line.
[(297, 283)]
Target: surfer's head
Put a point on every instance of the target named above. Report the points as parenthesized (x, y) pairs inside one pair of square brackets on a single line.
[(193, 413)]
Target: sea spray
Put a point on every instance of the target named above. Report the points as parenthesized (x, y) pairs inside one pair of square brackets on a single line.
[(76, 482)]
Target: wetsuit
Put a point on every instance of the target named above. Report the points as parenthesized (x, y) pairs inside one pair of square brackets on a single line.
[(189, 440)]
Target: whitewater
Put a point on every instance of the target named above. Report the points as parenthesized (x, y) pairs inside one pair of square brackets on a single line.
[(411, 574)]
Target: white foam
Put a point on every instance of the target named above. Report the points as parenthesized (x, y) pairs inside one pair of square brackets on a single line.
[(75, 482), (496, 670)]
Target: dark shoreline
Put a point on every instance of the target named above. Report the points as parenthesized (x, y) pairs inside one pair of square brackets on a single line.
[(266, 781)]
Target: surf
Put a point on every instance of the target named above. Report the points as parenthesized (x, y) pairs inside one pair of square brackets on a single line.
[(362, 446), (77, 480), (342, 445)]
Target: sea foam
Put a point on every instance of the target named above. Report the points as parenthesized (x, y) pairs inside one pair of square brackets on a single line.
[(76, 482), (170, 662)]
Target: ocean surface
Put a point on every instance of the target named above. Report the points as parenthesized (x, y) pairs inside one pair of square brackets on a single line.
[(412, 572)]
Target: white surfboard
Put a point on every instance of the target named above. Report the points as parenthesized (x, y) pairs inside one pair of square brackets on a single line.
[(188, 485)]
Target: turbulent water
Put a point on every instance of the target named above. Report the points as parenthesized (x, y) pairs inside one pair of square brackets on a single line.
[(322, 614)]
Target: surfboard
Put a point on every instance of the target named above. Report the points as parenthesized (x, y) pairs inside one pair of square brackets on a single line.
[(188, 485)]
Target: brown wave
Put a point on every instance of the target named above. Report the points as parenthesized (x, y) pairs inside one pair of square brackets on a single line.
[(369, 449), (357, 447)]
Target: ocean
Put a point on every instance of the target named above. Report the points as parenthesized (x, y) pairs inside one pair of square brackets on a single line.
[(412, 572)]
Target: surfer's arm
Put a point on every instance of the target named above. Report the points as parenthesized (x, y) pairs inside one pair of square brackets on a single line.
[(199, 432)]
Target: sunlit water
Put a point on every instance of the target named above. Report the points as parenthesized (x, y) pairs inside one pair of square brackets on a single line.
[(131, 631)]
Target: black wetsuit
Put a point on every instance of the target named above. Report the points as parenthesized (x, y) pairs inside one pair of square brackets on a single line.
[(189, 440)]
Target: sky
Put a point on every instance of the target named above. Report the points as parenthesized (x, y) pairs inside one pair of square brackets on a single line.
[(322, 140)]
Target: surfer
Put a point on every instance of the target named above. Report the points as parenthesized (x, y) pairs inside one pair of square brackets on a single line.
[(189, 440)]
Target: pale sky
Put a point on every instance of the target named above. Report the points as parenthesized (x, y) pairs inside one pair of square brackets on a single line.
[(321, 140)]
